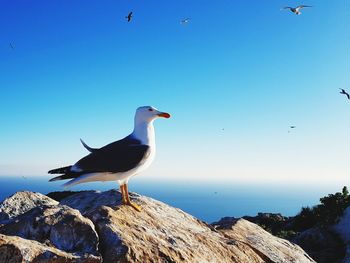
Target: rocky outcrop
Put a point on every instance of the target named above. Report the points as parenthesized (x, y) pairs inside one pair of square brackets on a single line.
[(274, 222), (58, 226), (22, 202), (321, 244), (269, 247), (92, 226), (342, 229), (14, 249)]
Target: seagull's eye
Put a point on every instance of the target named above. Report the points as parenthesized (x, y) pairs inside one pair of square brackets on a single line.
[(150, 109)]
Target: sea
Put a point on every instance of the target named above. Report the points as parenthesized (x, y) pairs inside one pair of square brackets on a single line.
[(206, 201)]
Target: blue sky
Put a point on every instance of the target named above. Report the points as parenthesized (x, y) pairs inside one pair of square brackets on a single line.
[(79, 70)]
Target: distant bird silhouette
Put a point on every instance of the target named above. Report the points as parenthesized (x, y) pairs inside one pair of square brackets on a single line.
[(296, 10), (345, 93), (12, 46), (291, 127), (185, 21), (129, 16)]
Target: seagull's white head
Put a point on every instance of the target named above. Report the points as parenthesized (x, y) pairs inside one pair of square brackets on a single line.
[(148, 114)]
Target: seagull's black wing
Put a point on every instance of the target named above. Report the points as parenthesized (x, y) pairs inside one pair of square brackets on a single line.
[(119, 156), (302, 6), (347, 95)]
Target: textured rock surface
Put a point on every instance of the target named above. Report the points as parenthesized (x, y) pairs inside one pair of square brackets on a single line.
[(321, 244), (271, 248), (159, 233), (342, 228), (20, 203), (14, 249), (59, 226)]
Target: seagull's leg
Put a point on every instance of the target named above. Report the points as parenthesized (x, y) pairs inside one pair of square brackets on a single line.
[(128, 202), (122, 189)]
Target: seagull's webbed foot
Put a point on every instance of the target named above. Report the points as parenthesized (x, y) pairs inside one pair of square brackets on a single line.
[(135, 206), (126, 199)]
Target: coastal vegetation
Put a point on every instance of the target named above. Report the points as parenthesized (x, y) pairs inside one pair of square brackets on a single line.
[(328, 212)]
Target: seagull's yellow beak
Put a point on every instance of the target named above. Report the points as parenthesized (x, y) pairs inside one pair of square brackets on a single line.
[(164, 115)]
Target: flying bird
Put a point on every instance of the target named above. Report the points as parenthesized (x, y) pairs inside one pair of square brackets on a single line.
[(129, 17), (292, 127), (117, 161), (345, 93), (296, 10), (185, 21), (12, 46)]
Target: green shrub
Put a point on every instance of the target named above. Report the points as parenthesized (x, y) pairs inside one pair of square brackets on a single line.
[(328, 212)]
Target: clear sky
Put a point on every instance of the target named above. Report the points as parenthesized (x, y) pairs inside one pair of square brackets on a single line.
[(234, 78)]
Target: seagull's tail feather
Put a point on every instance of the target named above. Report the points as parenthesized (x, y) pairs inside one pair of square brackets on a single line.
[(71, 183), (56, 178), (87, 147), (68, 175), (82, 178), (61, 170)]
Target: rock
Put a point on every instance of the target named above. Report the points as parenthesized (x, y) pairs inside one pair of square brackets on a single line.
[(17, 250), (59, 226), (269, 221), (342, 229), (321, 244), (269, 247), (33, 216), (20, 203), (159, 233)]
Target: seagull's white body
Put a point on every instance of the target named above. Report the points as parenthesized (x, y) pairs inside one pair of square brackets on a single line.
[(143, 132), (119, 160)]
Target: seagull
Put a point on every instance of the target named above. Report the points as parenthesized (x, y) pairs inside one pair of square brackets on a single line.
[(129, 16), (117, 161), (292, 127), (345, 93), (185, 21), (296, 10), (12, 46)]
